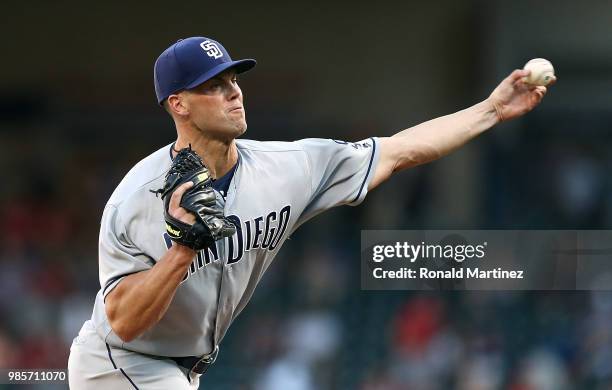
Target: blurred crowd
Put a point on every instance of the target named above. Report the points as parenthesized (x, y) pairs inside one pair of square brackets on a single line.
[(309, 325)]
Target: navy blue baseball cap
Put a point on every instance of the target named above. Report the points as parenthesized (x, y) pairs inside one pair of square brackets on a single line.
[(190, 62)]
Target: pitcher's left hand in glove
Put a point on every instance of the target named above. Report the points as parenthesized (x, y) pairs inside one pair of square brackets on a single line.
[(198, 199)]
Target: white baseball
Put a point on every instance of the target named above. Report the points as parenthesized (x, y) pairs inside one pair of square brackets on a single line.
[(542, 72)]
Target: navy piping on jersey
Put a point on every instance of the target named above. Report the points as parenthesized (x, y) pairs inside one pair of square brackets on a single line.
[(120, 369), (114, 278), (147, 256), (368, 172)]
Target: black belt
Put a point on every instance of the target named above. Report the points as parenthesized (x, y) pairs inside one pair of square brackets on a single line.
[(199, 365)]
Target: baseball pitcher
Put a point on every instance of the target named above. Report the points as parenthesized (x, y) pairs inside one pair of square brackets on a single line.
[(188, 233)]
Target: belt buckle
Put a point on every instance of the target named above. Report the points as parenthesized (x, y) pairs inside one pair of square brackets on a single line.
[(202, 365)]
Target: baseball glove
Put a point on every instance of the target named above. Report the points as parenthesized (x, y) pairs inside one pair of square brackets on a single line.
[(200, 200)]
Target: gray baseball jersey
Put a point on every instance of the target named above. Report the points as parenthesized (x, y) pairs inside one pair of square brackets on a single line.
[(276, 187)]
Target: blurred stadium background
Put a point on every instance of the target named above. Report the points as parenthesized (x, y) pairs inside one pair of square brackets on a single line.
[(77, 110)]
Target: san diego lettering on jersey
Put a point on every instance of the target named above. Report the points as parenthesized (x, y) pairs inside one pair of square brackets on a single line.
[(260, 233)]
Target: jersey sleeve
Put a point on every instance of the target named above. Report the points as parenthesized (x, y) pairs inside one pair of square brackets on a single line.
[(118, 257), (339, 172)]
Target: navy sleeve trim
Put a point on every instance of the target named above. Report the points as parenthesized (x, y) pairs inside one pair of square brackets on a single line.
[(114, 279), (365, 179), (152, 260), (120, 369)]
